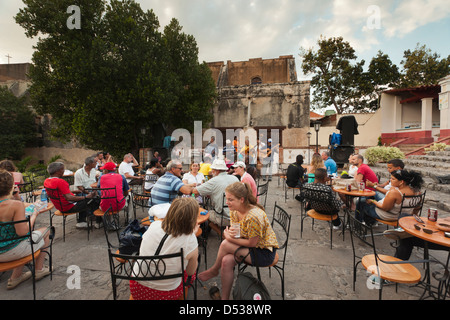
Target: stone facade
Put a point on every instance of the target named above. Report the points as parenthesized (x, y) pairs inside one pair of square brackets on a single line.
[(262, 94)]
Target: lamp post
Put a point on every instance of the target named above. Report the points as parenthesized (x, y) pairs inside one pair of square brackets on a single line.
[(317, 128), (308, 135), (143, 131)]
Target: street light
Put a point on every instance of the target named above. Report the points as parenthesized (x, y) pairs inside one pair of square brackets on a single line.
[(317, 128), (143, 131), (308, 135)]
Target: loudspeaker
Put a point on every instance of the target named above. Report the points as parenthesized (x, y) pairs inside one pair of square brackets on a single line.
[(340, 154)]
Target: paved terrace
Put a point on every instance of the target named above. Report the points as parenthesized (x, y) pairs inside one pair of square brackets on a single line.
[(313, 270)]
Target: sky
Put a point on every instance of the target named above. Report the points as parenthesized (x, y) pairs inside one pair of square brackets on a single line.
[(239, 30)]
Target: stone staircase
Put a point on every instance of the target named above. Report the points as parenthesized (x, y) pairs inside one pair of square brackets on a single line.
[(430, 165)]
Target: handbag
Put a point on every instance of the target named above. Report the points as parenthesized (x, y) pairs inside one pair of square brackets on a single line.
[(246, 286), (131, 237)]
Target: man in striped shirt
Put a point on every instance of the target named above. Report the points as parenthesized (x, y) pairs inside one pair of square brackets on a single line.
[(169, 185)]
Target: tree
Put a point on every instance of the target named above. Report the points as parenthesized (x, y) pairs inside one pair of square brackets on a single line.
[(336, 81), (382, 74), (103, 82), (17, 126), (423, 67)]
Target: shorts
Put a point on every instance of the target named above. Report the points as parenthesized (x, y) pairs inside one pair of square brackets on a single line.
[(264, 257), (217, 219), (23, 249)]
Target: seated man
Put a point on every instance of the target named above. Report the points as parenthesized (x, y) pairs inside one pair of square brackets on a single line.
[(215, 189), (170, 184), (364, 172), (381, 189), (295, 172), (69, 201), (126, 169), (85, 177), (329, 163), (320, 205), (111, 179)]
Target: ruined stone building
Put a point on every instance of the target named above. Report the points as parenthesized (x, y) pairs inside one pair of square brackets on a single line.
[(262, 94)]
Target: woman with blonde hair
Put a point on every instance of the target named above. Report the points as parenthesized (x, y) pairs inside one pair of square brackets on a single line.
[(316, 162), (257, 241), (180, 224)]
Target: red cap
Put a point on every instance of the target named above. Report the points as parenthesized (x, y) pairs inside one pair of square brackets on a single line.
[(110, 166)]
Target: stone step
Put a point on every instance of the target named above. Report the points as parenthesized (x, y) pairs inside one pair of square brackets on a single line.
[(430, 157), (427, 164)]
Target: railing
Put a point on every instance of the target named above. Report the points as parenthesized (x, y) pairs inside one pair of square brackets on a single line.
[(420, 150)]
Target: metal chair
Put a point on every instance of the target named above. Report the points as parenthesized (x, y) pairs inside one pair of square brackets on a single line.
[(385, 267), (55, 197), (316, 198), (281, 224), (263, 190), (141, 200), (26, 189), (111, 195), (9, 236), (412, 204), (143, 268)]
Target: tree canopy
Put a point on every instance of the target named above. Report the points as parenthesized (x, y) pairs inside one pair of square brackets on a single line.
[(17, 126), (114, 75), (339, 80)]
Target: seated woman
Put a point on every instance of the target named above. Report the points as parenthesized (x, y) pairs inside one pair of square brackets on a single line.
[(9, 166), (255, 232), (403, 182), (180, 223), (152, 174), (316, 162), (13, 210)]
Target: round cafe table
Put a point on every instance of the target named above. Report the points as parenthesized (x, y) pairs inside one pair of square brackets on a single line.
[(200, 219), (436, 236)]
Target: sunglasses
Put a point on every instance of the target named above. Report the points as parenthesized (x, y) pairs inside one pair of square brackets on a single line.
[(426, 230)]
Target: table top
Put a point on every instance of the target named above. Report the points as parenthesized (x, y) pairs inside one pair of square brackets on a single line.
[(200, 219), (407, 224), (355, 193), (49, 207)]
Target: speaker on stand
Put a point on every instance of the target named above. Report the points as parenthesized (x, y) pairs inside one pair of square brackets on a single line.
[(341, 153)]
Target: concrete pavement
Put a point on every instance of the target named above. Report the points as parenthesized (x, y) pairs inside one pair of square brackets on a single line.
[(313, 270)]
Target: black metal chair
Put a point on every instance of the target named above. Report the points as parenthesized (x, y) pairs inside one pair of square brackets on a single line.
[(141, 200), (383, 267), (410, 204), (26, 189), (9, 235), (143, 268), (317, 204), (55, 197), (110, 194), (262, 192), (281, 224), (38, 177)]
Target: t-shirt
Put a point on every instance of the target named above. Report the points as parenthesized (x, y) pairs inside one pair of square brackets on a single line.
[(215, 189), (367, 173), (247, 178), (150, 179), (205, 167), (126, 167), (294, 174), (63, 187), (166, 188), (332, 205), (83, 179), (256, 224), (117, 181), (150, 242), (331, 166), (198, 178)]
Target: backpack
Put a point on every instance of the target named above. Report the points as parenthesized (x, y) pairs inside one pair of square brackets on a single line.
[(131, 237), (247, 287)]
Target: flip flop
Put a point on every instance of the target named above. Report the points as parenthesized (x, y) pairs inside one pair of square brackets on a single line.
[(214, 293)]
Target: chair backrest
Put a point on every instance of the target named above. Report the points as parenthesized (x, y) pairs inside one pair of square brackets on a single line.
[(26, 187), (412, 204), (143, 200), (9, 237), (143, 268), (38, 176), (281, 224), (55, 197), (318, 199), (262, 191), (107, 221)]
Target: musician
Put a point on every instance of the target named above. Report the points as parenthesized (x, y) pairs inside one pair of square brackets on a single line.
[(267, 156)]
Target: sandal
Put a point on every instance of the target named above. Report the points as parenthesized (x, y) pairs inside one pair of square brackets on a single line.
[(12, 283), (214, 293)]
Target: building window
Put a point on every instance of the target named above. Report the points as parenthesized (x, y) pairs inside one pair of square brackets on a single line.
[(256, 80)]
